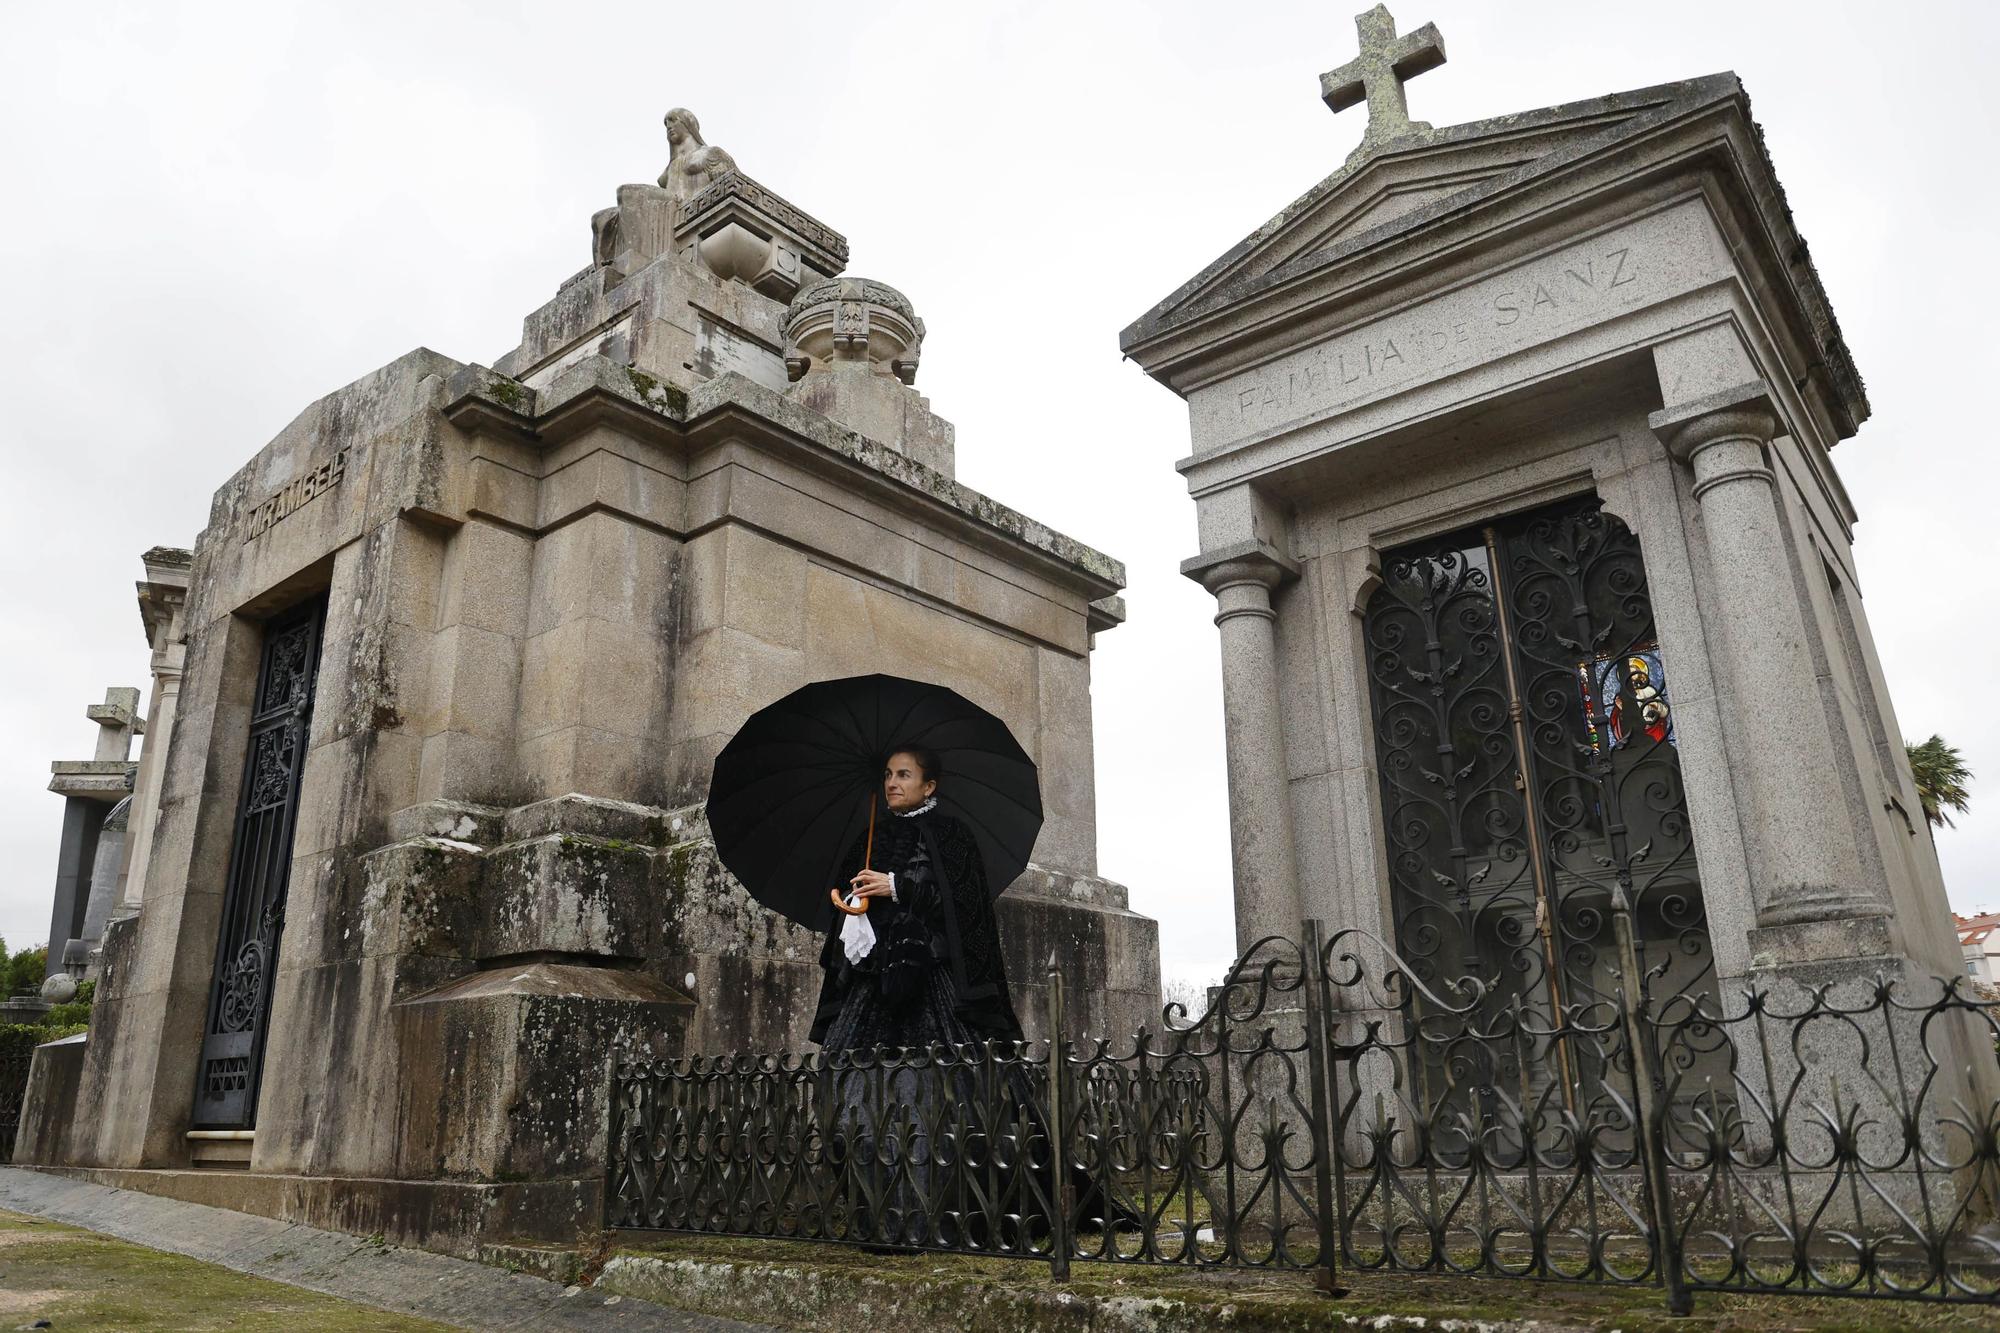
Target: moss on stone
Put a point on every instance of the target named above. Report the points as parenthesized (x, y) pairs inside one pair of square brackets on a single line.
[(807, 1285), (649, 387)]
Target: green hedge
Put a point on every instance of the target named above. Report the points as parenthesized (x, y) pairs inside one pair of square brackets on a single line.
[(62, 1020), (23, 1038)]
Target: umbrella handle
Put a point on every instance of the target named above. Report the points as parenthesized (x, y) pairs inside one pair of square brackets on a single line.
[(867, 858)]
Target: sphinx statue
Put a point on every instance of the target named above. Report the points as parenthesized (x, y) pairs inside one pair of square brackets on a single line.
[(691, 162), (642, 222)]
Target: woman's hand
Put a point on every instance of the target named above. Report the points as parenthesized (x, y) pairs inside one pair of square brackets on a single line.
[(870, 884)]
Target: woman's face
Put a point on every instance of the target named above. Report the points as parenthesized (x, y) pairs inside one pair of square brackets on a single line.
[(904, 785)]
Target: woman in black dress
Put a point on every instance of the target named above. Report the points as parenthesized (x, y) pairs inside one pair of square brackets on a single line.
[(934, 971), (927, 970), (933, 974)]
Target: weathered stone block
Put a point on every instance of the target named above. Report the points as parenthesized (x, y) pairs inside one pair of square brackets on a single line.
[(710, 697), (592, 816), (570, 894), (421, 896), (506, 1072), (48, 1108), (548, 661), (476, 677), (621, 686), (458, 820), (459, 767), (742, 579)]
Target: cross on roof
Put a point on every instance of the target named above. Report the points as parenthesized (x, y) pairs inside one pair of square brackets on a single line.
[(1377, 75)]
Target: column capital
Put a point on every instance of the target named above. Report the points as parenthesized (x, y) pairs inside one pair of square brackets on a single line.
[(1254, 561), (1744, 412)]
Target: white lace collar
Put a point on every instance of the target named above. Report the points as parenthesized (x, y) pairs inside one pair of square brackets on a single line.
[(930, 803)]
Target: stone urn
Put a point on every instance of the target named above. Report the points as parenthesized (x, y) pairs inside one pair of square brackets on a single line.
[(856, 321)]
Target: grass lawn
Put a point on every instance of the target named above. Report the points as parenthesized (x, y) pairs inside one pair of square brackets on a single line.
[(79, 1279)]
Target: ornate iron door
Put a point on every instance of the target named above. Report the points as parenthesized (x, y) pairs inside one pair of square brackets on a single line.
[(1530, 776), (260, 862)]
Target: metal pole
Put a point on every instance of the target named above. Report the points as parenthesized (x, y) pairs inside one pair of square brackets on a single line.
[(1059, 1197), (1323, 1134), (1646, 1092)]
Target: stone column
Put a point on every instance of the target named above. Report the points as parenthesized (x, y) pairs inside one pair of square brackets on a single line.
[(146, 787), (111, 837), (1804, 870), (75, 857), (162, 598), (1260, 803)]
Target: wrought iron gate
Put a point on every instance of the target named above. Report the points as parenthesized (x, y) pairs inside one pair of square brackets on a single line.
[(1529, 770), (260, 862)]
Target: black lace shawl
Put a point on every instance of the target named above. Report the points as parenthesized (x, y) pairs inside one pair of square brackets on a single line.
[(944, 887)]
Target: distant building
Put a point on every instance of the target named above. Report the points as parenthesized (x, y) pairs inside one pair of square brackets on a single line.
[(1979, 941)]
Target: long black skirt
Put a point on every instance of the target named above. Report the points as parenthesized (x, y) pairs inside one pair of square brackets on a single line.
[(934, 1148)]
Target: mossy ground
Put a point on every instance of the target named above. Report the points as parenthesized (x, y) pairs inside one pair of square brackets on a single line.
[(1291, 1301), (81, 1280)]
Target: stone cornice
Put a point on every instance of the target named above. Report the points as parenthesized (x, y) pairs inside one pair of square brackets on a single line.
[(596, 391), (1684, 427), (1211, 326), (1256, 559), (1207, 293), (107, 780), (830, 245)]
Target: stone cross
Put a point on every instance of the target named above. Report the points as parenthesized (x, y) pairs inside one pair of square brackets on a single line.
[(119, 721), (1377, 75)]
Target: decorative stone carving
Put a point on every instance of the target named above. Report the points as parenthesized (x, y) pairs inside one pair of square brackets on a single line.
[(641, 226), (851, 348), (691, 162), (853, 319), (1377, 76), (740, 229)]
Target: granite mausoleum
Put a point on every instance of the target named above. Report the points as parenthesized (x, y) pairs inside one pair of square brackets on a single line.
[(1512, 467), (461, 644)]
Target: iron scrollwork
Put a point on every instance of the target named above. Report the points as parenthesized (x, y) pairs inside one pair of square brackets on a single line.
[(1531, 783), (1334, 1108), (253, 907)]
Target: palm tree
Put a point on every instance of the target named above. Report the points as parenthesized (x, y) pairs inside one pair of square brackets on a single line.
[(1941, 776)]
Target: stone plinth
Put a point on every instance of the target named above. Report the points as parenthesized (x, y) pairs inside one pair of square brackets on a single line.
[(50, 1101)]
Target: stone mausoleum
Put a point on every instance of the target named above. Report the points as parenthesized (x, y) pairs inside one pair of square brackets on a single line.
[(101, 858), (1513, 468), (461, 645)]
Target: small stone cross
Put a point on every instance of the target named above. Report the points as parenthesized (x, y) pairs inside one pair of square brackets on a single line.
[(1377, 75)]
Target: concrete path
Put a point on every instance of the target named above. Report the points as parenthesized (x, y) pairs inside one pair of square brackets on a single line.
[(415, 1282)]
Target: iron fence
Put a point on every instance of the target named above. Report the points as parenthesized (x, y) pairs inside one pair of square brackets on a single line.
[(1331, 1112), (13, 1094)]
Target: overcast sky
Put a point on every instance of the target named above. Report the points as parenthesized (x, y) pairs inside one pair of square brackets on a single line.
[(217, 213)]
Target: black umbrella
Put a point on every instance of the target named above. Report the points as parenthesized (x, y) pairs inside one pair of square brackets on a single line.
[(793, 787)]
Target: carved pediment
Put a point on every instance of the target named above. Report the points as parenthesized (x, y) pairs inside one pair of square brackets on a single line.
[(1389, 186)]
